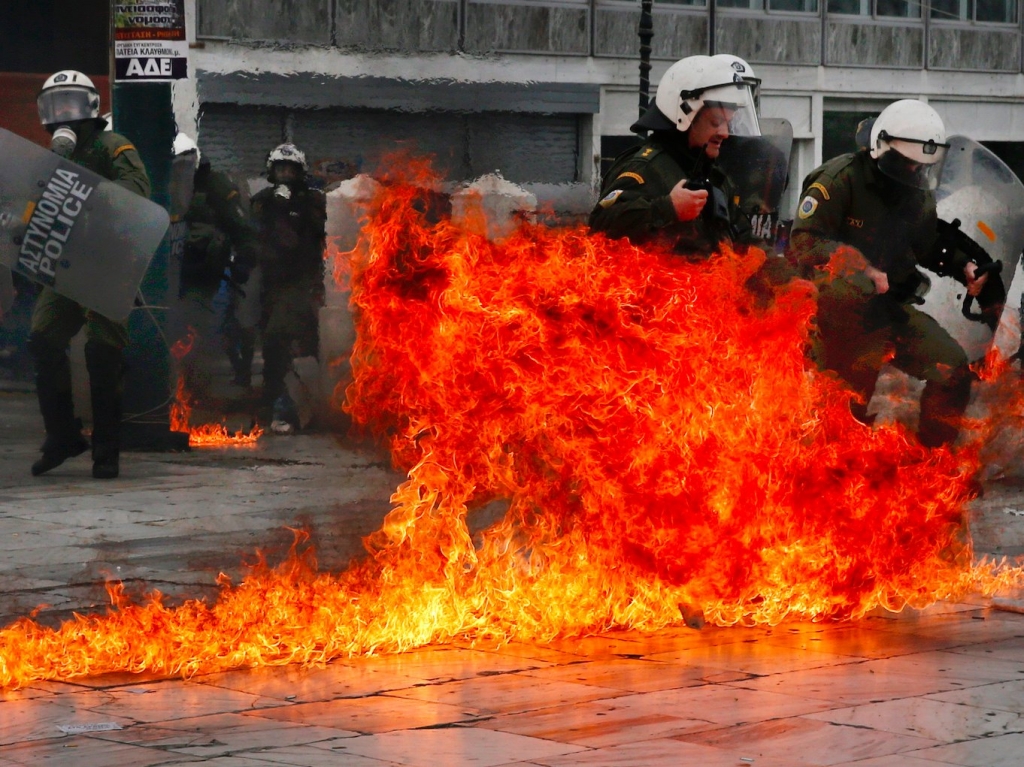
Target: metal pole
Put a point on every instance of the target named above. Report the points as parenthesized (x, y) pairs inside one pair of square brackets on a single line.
[(143, 113), (646, 33)]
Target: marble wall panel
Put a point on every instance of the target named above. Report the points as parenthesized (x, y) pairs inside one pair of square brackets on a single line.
[(973, 49), (770, 39), (675, 34), (874, 45), (406, 25), (297, 21), (534, 28)]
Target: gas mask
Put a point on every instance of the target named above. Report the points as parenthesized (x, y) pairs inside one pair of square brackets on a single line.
[(63, 141)]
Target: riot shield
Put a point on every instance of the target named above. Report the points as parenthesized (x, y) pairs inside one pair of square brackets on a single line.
[(980, 191), (6, 291), (67, 227), (758, 171)]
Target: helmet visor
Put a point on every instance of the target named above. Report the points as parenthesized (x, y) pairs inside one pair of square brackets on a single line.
[(58, 106), (920, 167), (739, 98)]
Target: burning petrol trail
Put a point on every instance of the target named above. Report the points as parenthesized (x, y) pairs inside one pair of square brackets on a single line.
[(662, 443)]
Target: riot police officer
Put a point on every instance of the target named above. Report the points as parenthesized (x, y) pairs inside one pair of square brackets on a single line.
[(291, 219), (221, 245), (877, 205), (69, 110), (669, 187)]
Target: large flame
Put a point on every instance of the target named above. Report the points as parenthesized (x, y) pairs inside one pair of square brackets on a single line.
[(663, 446)]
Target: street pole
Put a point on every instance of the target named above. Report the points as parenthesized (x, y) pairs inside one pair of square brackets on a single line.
[(646, 34), (144, 114)]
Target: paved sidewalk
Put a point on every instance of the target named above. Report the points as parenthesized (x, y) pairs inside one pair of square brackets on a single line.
[(941, 687)]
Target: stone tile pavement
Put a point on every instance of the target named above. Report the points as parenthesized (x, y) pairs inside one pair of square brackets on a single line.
[(940, 687)]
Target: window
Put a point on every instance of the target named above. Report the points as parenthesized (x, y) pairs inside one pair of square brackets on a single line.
[(993, 11), (798, 6), (683, 3), (902, 9)]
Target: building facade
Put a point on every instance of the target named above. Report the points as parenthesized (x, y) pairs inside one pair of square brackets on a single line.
[(536, 88)]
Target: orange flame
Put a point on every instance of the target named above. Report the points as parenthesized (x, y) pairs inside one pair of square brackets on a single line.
[(204, 435), (663, 446)]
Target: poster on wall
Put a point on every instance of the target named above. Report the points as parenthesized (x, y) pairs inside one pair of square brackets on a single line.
[(149, 41)]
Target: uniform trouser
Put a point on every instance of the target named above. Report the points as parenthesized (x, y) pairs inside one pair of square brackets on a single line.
[(195, 316), (241, 321), (290, 329), (55, 321), (861, 333)]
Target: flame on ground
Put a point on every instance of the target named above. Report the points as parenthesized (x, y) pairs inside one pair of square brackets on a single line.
[(204, 435), (662, 443)]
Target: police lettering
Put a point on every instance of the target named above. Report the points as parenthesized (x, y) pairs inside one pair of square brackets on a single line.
[(762, 226), (51, 224)]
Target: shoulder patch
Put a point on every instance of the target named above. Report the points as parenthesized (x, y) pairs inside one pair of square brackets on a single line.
[(630, 174), (609, 199), (820, 188), (807, 207)]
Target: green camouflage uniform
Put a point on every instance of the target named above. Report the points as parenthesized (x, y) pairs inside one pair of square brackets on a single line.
[(849, 202), (635, 199), (217, 222), (56, 319)]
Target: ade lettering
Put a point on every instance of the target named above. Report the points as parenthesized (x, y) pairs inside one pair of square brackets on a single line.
[(160, 67), (50, 226)]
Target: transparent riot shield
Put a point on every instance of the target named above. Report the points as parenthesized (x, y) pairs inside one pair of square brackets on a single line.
[(6, 291), (758, 171), (67, 227), (983, 194)]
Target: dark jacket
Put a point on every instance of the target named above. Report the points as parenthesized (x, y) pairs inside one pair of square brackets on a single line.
[(217, 221), (848, 201), (292, 235), (112, 156), (635, 201)]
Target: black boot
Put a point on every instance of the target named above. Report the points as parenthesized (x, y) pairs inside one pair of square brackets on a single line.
[(942, 408), (105, 387), (53, 386)]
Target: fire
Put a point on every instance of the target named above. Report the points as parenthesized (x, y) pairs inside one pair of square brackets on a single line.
[(205, 435), (662, 443)]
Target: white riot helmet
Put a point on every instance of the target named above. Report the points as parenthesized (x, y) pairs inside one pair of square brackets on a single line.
[(184, 145), (745, 71), (287, 153), (693, 83), (908, 141), (66, 97)]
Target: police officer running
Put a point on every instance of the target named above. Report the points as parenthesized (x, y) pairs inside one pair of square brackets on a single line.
[(69, 110), (877, 206), (669, 187), (291, 218)]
